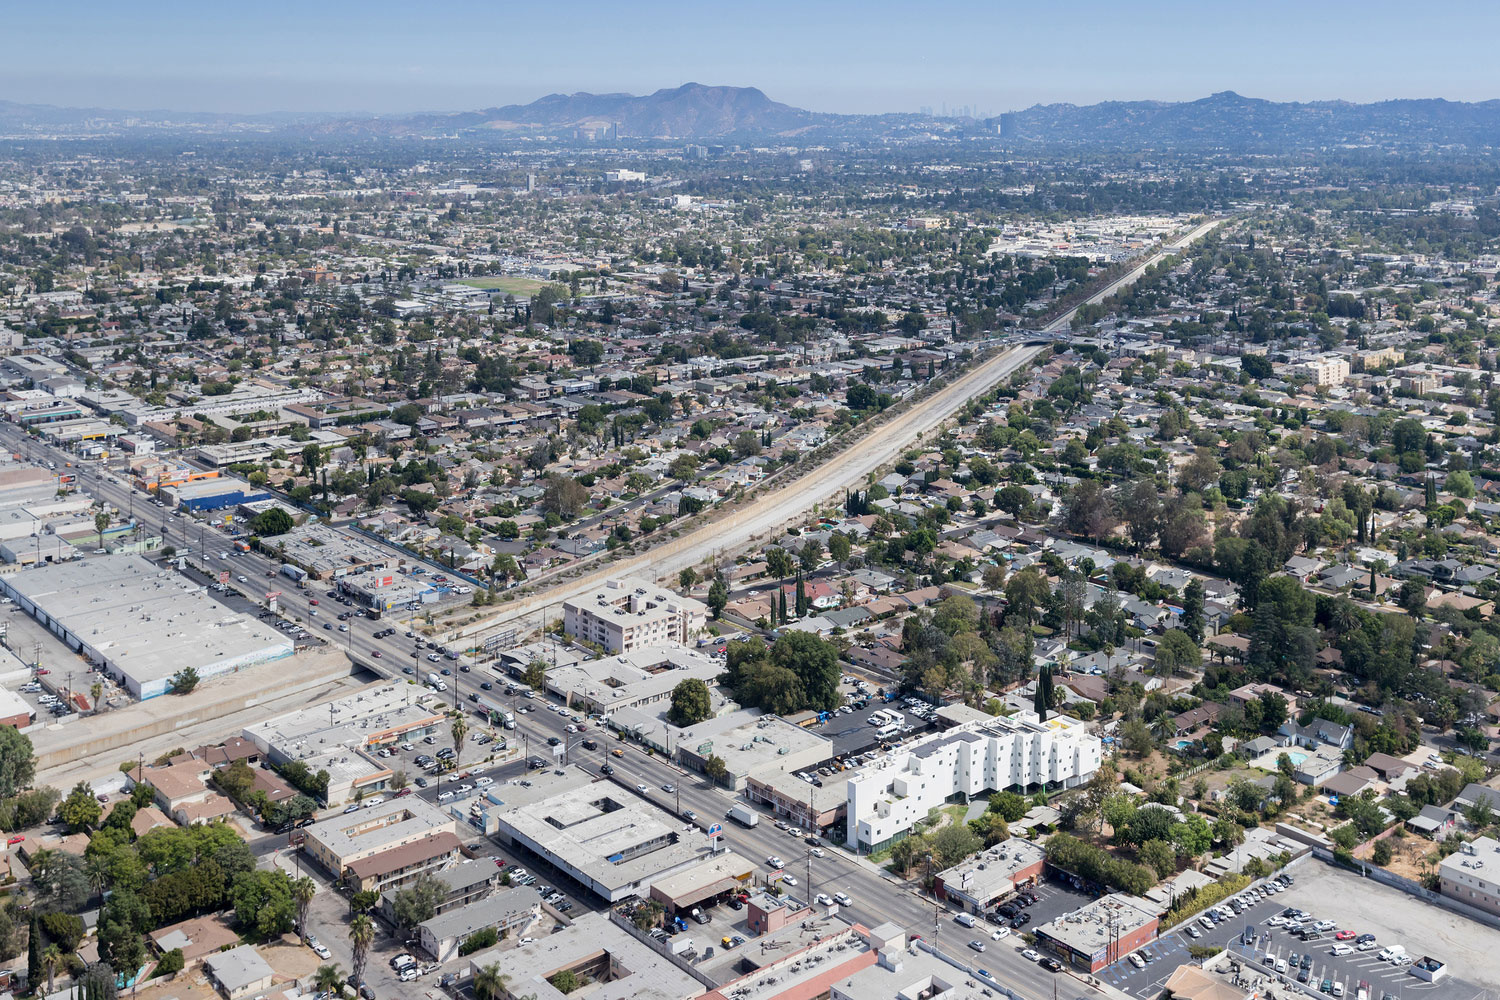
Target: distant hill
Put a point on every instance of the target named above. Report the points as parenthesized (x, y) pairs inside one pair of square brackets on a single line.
[(694, 111), (1231, 121), (690, 111)]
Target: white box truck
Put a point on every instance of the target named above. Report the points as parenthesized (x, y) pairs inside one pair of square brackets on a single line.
[(742, 814)]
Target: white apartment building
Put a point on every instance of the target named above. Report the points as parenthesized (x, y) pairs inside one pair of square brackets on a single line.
[(1472, 874), (630, 613), (888, 797), (1325, 369)]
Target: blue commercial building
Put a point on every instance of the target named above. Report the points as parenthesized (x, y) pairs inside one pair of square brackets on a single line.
[(216, 494)]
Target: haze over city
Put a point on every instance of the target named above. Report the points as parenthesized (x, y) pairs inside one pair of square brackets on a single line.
[(864, 58), (794, 502)]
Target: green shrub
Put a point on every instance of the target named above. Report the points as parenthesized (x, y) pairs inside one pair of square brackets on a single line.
[(486, 938), (1195, 900)]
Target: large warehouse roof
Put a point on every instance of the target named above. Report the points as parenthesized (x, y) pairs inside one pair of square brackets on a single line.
[(146, 622)]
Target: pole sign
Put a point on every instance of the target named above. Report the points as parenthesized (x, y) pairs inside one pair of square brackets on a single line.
[(714, 832)]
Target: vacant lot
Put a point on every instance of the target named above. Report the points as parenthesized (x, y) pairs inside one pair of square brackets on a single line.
[(1362, 905), (508, 283)]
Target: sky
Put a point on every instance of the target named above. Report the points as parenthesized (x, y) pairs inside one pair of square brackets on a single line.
[(824, 55)]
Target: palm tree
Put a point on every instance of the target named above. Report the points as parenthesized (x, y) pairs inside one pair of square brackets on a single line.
[(490, 982), (303, 891), (96, 691), (96, 868), (51, 959), (361, 936), (329, 979), (459, 729)]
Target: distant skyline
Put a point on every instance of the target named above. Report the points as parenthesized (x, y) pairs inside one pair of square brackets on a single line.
[(869, 57)]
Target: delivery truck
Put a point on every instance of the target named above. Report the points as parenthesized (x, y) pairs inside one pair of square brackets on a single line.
[(743, 814)]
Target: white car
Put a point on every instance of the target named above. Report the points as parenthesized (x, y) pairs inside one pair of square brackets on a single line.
[(1030, 955), (1000, 933), (842, 899), (1137, 961), (816, 852), (823, 899), (1341, 949), (789, 879), (484, 782)]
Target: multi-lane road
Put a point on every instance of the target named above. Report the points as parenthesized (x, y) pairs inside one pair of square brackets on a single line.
[(877, 895)]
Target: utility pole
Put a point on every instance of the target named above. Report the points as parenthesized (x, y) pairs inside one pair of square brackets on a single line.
[(937, 921)]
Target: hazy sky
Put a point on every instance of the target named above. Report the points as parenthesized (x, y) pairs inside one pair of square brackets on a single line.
[(870, 56)]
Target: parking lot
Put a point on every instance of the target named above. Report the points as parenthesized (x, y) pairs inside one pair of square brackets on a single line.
[(1353, 904)]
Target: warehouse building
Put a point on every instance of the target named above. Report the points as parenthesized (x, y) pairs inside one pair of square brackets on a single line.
[(140, 622), (214, 494)]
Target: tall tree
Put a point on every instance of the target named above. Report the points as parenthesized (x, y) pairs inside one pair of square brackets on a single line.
[(303, 891), (33, 954), (361, 936), (1192, 610), (459, 729), (1043, 697)]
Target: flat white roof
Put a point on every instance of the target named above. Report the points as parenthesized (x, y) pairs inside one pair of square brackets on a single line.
[(150, 622)]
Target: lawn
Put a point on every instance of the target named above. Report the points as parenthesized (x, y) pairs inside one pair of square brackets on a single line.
[(508, 283)]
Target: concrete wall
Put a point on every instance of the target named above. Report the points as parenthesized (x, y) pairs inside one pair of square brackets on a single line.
[(126, 727)]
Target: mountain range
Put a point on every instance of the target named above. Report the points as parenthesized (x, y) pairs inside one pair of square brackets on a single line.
[(1231, 121), (697, 112)]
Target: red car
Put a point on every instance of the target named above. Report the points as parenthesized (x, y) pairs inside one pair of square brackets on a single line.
[(1344, 936), (314, 601), (15, 840)]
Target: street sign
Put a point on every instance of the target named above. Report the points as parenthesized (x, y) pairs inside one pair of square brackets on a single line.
[(558, 750), (715, 829)]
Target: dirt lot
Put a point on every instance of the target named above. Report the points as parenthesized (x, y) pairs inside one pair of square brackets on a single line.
[(1410, 859), (1362, 905)]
